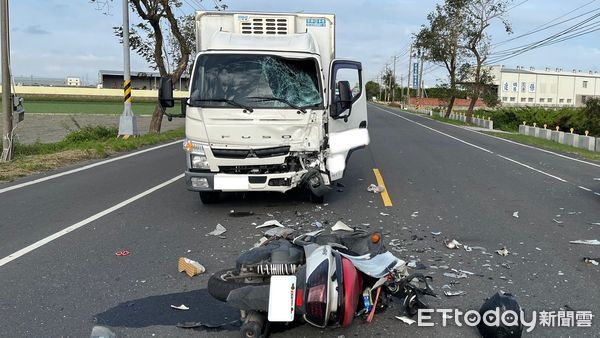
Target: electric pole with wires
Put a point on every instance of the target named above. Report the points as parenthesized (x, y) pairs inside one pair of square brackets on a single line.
[(127, 122), (7, 105)]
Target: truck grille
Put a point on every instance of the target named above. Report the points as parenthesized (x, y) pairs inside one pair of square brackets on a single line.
[(265, 26), (245, 153)]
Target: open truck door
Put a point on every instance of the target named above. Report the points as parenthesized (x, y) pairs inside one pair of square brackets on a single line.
[(347, 115)]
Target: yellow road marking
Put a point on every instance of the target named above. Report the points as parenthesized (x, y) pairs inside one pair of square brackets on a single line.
[(384, 195)]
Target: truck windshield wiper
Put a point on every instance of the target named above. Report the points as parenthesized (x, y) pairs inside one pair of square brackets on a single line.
[(231, 102), (273, 98)]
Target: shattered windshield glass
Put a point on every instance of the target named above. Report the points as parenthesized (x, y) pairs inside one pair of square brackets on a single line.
[(257, 81)]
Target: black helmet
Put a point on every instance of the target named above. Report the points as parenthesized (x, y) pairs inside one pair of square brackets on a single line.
[(497, 305)]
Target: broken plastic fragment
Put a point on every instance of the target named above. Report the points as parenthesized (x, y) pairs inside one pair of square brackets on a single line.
[(269, 223), (436, 233), (586, 241), (406, 320), (191, 267), (376, 189), (516, 214), (503, 252), (452, 244), (317, 224), (219, 230), (455, 275), (415, 214), (593, 261), (557, 221), (383, 214), (279, 232), (454, 293), (180, 307), (339, 225)]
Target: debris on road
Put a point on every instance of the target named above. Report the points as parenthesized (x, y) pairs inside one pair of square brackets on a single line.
[(455, 275), (594, 223), (406, 320), (454, 293), (416, 265), (516, 214), (376, 189), (195, 325), (501, 304), (452, 244), (586, 241), (503, 252), (219, 230), (279, 232), (102, 332), (339, 225), (589, 260), (181, 307), (191, 267), (436, 233), (234, 213), (557, 221), (122, 253), (270, 223), (316, 224), (415, 214), (383, 214)]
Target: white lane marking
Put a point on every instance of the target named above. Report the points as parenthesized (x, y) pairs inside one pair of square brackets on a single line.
[(584, 188), (514, 142), (89, 166), (475, 146), (437, 131), (532, 168), (88, 220)]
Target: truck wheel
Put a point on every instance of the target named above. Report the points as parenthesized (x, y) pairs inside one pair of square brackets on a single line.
[(316, 199), (210, 197)]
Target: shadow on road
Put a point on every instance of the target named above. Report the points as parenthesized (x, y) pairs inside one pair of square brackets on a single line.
[(156, 310)]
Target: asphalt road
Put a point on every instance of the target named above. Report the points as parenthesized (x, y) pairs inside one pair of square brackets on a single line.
[(59, 274)]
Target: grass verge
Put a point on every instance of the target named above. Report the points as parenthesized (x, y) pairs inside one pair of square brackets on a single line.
[(548, 145), (84, 144)]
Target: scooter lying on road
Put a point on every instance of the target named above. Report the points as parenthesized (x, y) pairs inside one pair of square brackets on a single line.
[(325, 277)]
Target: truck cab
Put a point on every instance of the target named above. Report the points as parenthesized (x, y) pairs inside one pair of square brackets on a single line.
[(269, 106)]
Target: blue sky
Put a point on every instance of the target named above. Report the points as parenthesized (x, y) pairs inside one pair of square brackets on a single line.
[(59, 38)]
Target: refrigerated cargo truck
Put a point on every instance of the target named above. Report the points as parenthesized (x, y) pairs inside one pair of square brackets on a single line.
[(270, 108)]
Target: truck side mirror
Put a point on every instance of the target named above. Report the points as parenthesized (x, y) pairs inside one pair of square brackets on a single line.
[(343, 99), (165, 92)]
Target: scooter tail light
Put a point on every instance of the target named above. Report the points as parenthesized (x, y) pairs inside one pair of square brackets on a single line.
[(299, 297), (316, 295)]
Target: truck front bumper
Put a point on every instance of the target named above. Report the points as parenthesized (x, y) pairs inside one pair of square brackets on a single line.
[(209, 181)]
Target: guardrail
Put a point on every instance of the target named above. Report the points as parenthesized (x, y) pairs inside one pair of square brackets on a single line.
[(569, 138)]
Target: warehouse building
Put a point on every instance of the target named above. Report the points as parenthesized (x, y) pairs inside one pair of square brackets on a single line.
[(139, 80), (547, 88)]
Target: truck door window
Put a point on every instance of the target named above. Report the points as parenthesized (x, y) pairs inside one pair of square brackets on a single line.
[(241, 78), (350, 75)]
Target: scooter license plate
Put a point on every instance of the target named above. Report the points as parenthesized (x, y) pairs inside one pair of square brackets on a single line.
[(282, 295)]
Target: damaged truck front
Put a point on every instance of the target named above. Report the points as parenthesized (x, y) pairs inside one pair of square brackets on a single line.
[(269, 106)]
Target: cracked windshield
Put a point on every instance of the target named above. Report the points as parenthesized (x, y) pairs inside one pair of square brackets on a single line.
[(258, 81)]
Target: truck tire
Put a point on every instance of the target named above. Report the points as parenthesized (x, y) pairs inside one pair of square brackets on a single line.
[(316, 199), (210, 197), (219, 287)]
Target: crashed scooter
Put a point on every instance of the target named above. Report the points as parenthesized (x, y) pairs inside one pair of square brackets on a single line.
[(325, 278)]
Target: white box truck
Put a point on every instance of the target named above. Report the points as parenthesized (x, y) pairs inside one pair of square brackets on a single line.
[(270, 108)]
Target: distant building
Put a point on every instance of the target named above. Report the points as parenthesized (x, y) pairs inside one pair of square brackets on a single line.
[(547, 88), (73, 81), (139, 80), (38, 81)]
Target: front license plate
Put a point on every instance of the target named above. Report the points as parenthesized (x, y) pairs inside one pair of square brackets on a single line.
[(231, 182), (282, 294)]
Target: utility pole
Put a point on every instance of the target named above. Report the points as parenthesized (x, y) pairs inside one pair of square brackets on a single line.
[(401, 82), (7, 106), (127, 122), (409, 74), (380, 82), (421, 56), (394, 79)]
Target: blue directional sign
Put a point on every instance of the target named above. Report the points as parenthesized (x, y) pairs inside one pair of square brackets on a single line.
[(415, 75)]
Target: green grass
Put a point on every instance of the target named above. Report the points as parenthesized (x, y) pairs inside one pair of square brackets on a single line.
[(548, 145), (89, 107), (98, 139)]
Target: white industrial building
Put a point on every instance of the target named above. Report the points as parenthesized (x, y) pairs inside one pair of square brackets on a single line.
[(549, 88)]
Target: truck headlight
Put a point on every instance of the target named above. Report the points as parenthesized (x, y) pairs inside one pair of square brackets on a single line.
[(193, 147), (199, 162)]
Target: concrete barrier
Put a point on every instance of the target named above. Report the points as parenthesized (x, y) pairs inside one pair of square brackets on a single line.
[(558, 136), (571, 139), (545, 133), (534, 131), (523, 129), (598, 144), (587, 142)]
